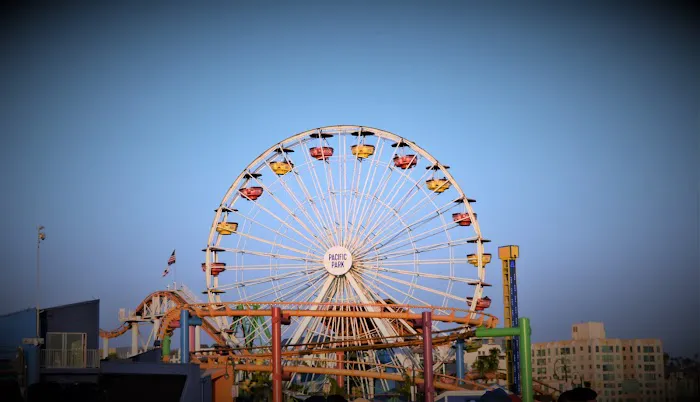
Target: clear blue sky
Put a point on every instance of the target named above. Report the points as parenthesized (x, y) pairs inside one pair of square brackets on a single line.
[(575, 128)]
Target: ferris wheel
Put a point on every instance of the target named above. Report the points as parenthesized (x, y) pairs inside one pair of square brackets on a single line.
[(344, 218)]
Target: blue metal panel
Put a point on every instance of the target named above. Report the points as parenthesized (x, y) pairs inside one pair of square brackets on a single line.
[(15, 327), (516, 340)]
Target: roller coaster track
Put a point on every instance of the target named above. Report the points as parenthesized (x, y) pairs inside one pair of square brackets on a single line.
[(301, 309), (172, 295)]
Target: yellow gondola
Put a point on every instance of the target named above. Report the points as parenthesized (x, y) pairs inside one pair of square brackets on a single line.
[(362, 151), (473, 259), (281, 167), (438, 185), (226, 228)]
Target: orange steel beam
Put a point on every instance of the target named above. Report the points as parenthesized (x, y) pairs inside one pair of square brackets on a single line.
[(225, 310), (439, 340), (353, 373)]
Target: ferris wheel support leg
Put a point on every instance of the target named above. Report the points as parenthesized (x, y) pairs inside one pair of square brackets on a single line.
[(426, 322), (277, 354)]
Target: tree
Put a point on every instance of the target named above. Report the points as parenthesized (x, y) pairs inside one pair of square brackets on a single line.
[(487, 366)]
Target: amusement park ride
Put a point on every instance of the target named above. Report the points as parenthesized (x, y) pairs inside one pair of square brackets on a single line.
[(355, 254)]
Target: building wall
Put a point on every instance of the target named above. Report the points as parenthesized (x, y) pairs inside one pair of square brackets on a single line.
[(15, 327), (80, 317), (606, 362), (484, 350)]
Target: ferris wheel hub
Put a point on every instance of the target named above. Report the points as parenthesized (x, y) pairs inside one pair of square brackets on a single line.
[(337, 260)]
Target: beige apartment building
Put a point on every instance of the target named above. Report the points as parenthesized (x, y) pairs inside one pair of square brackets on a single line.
[(620, 370)]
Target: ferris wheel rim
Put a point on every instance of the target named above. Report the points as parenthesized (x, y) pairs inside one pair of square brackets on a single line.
[(301, 138)]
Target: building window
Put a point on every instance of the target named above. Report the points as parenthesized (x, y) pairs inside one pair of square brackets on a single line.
[(67, 350), (575, 329)]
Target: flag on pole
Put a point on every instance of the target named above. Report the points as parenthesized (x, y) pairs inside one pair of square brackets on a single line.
[(171, 261)]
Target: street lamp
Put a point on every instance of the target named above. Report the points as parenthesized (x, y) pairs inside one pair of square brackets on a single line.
[(40, 236)]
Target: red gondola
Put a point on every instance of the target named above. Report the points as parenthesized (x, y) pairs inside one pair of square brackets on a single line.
[(462, 218), (251, 193), (216, 268), (405, 161), (321, 153), (481, 304)]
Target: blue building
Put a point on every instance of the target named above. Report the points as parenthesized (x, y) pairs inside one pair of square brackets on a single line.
[(70, 335), (19, 359), (67, 363)]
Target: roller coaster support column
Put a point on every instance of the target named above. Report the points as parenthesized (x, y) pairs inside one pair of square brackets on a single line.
[(522, 331), (134, 338), (459, 360), (105, 347), (185, 322), (426, 322), (278, 319)]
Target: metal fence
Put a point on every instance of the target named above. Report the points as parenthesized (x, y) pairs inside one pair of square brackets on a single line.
[(70, 358)]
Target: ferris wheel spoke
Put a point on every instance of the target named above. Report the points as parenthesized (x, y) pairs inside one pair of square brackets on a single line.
[(301, 208), (258, 223), (304, 188), (284, 222), (309, 280), (333, 196), (268, 279), (423, 249), (375, 208), (416, 262), (272, 255), (268, 267), (355, 190), (318, 187), (305, 321), (381, 221), (364, 293), (381, 185), (413, 238), (383, 289), (261, 240), (421, 287), (386, 230), (326, 194), (404, 179), (286, 209), (417, 274), (362, 207)]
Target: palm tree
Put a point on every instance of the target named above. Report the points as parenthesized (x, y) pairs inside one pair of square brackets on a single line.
[(487, 366)]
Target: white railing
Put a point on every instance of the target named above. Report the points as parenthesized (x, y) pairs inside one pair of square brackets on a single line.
[(66, 358), (188, 294)]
